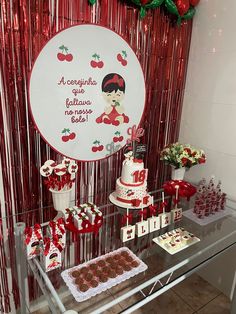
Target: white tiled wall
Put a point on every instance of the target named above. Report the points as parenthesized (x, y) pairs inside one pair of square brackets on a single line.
[(209, 112)]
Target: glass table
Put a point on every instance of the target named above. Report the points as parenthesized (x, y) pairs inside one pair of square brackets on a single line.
[(164, 270)]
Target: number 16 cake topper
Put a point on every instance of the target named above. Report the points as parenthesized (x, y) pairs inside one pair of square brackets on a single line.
[(83, 92)]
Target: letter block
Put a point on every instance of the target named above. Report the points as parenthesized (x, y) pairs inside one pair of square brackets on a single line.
[(127, 233), (142, 228), (165, 219), (176, 214), (154, 224)]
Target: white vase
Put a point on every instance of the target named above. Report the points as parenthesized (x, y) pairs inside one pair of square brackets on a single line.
[(178, 174), (61, 199)]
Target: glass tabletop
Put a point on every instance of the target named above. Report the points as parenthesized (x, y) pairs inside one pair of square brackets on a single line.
[(163, 268)]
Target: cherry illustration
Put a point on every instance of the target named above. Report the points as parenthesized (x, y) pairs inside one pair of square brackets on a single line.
[(97, 147), (121, 138), (117, 137), (100, 64), (60, 56), (64, 55), (69, 57), (96, 63), (67, 135), (65, 138), (93, 64), (121, 57), (72, 136)]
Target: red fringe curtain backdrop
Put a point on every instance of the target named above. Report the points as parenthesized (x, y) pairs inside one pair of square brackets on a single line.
[(26, 26)]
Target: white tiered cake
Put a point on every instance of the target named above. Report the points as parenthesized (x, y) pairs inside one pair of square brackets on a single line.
[(131, 187)]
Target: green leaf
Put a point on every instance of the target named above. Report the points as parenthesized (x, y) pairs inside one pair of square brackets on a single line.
[(94, 56), (117, 133), (61, 47), (92, 2), (142, 12), (124, 53), (189, 15), (154, 4), (171, 7), (63, 131)]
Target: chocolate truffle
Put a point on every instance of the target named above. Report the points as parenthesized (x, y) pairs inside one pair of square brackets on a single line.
[(88, 277), (129, 259), (124, 253), (119, 270), (83, 288), (134, 264), (116, 257), (106, 270), (109, 260), (98, 273), (101, 263), (93, 266), (127, 267), (113, 265), (94, 283), (112, 274), (84, 270), (103, 278), (79, 281), (75, 273)]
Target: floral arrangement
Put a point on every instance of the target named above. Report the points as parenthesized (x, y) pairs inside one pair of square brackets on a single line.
[(182, 155), (59, 176)]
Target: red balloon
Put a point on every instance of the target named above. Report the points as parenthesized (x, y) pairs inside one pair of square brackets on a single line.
[(194, 2), (182, 6)]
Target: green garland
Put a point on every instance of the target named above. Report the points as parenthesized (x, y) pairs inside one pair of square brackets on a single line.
[(169, 4)]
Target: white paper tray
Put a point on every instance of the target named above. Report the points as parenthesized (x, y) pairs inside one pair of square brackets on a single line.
[(207, 219), (179, 249), (82, 296)]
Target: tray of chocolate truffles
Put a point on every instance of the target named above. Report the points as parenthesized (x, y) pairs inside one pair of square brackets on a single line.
[(102, 273)]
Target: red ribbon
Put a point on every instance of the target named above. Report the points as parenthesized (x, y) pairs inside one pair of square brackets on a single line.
[(153, 210), (135, 202), (127, 217), (115, 80), (143, 214), (47, 244), (29, 232), (135, 134), (185, 189)]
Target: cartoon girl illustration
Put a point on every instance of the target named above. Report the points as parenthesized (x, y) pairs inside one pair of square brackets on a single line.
[(113, 90), (53, 261)]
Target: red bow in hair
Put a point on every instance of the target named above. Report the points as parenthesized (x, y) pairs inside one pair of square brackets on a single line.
[(127, 217), (115, 80)]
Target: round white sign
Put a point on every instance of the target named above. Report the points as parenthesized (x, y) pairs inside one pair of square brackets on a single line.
[(87, 91)]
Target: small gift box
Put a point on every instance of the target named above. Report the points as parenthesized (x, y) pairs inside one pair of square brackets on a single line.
[(33, 236), (51, 253), (81, 221), (95, 215), (57, 228)]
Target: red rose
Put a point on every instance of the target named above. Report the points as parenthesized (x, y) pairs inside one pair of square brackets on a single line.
[(202, 160), (184, 161), (188, 150)]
